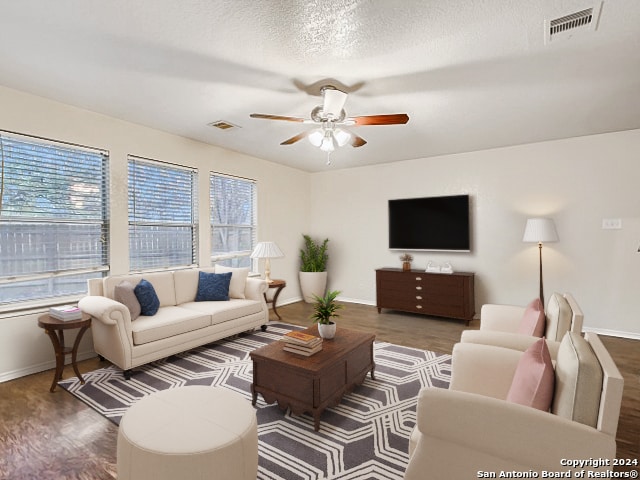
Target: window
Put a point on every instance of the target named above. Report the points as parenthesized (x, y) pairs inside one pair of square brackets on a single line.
[(163, 228), (53, 219), (233, 220)]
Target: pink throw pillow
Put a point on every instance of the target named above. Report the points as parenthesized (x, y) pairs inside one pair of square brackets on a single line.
[(534, 381), (533, 321)]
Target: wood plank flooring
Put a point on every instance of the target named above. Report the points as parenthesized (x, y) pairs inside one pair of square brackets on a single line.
[(47, 435)]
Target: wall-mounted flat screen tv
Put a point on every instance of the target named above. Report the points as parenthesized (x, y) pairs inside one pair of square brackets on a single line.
[(430, 223)]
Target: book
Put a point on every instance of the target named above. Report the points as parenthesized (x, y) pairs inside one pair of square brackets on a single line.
[(66, 312), (300, 350), (299, 338)]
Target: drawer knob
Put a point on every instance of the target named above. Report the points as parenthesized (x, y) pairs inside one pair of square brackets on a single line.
[(418, 279), (418, 288), (418, 307), (418, 297)]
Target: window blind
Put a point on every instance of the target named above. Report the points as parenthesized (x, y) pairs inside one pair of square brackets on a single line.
[(53, 217), (233, 219), (163, 229)]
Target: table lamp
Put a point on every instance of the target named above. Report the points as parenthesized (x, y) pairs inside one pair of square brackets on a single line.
[(267, 250)]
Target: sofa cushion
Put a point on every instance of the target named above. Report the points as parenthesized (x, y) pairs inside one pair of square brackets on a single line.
[(186, 282), (162, 283), (559, 317), (146, 295), (238, 279), (533, 321), (168, 322), (578, 381), (124, 293), (225, 311), (533, 381), (213, 287)]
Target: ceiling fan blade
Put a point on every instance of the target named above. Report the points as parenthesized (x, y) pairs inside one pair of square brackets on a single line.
[(357, 141), (276, 117), (334, 101), (391, 119), (295, 139)]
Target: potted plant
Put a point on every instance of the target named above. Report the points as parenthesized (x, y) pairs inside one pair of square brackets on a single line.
[(313, 268), (325, 309), (406, 261)]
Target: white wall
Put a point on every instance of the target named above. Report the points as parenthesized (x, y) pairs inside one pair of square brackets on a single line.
[(24, 347), (577, 182)]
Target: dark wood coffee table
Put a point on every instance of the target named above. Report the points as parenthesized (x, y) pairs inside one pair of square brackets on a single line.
[(311, 384)]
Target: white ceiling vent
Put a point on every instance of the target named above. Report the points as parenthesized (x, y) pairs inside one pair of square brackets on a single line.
[(223, 125), (565, 27)]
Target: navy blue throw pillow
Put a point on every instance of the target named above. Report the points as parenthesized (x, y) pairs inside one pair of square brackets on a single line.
[(213, 286), (146, 295)]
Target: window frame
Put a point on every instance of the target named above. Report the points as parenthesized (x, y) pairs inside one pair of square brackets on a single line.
[(32, 148), (135, 223), (253, 226)]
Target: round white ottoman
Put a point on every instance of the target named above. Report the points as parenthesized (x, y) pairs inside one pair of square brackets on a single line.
[(188, 433)]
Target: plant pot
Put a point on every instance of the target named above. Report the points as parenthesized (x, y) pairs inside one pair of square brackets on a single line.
[(406, 266), (312, 283), (327, 330)]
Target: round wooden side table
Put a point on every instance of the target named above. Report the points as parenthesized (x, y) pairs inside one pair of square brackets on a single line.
[(279, 285), (55, 329)]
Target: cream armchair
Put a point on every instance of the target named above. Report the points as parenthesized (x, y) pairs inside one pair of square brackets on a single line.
[(499, 324), (471, 428)]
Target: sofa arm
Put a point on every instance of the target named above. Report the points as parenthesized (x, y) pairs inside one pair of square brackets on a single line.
[(482, 433), (503, 318), (255, 288), (110, 328), (514, 341)]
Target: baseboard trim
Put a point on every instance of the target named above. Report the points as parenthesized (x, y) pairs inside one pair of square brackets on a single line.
[(612, 333), (41, 367)]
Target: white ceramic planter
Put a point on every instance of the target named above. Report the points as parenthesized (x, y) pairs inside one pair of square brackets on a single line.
[(312, 283), (327, 331)]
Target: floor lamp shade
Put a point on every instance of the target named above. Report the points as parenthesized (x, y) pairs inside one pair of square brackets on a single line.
[(540, 230), (267, 250)]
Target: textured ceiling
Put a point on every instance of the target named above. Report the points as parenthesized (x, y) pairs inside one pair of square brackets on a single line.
[(471, 75)]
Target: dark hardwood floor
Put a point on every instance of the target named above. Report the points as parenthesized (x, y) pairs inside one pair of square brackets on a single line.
[(47, 435)]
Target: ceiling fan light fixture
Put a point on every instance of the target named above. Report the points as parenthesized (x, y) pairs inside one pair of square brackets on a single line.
[(315, 137), (328, 144), (342, 137)]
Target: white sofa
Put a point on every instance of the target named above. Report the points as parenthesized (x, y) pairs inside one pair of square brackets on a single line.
[(471, 427), (180, 324)]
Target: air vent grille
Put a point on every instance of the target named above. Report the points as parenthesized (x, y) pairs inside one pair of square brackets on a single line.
[(223, 125), (575, 20), (567, 26)]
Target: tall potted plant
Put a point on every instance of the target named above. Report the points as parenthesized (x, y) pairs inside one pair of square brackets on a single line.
[(323, 311), (313, 268)]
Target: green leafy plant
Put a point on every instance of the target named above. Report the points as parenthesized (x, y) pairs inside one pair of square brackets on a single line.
[(325, 307), (313, 257)]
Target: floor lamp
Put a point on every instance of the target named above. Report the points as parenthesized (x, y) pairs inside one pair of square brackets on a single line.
[(540, 230), (267, 250)]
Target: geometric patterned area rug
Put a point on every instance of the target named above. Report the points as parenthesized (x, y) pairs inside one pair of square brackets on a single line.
[(366, 436)]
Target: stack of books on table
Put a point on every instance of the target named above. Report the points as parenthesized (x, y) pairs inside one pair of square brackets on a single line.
[(301, 343), (66, 312)]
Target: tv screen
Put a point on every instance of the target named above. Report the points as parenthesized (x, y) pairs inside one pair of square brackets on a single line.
[(430, 223)]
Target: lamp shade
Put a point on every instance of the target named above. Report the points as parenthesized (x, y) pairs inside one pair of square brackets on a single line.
[(540, 230), (266, 250)]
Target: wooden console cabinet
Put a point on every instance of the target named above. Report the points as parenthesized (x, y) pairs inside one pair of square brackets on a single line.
[(415, 291)]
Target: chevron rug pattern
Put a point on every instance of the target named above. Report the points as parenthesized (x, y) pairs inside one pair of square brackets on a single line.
[(365, 437)]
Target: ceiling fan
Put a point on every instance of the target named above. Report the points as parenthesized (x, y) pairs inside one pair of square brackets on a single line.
[(330, 117)]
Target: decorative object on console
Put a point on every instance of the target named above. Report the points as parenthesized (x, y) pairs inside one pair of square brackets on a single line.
[(446, 268), (267, 250), (406, 261), (540, 230), (432, 267), (313, 268), (325, 309)]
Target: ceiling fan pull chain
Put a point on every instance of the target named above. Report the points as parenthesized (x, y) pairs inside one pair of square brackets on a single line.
[(329, 157)]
